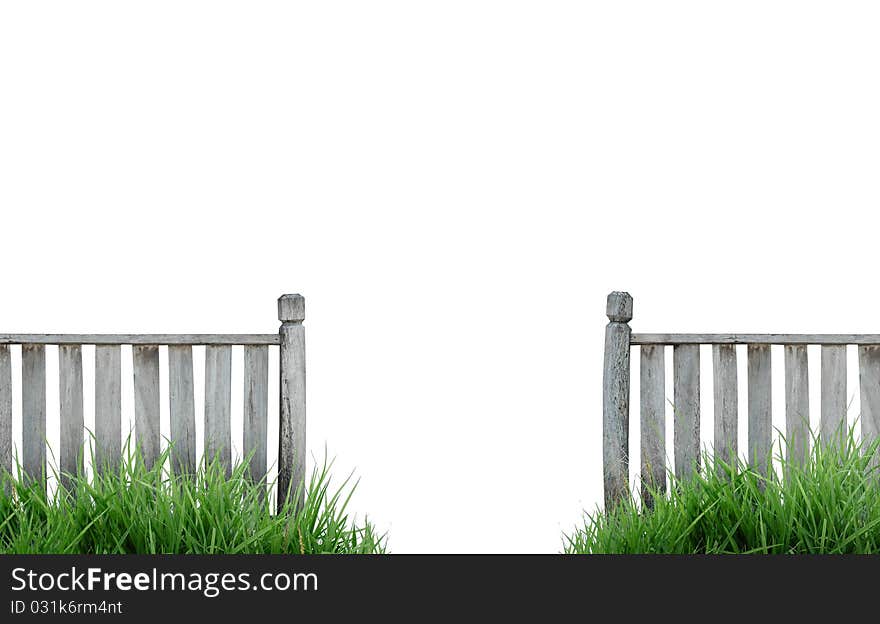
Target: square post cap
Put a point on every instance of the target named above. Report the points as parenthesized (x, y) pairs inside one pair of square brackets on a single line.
[(291, 308), (619, 307)]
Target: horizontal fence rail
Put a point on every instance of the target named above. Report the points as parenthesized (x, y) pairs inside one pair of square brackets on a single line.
[(142, 339), (767, 339), (619, 340), (145, 366)]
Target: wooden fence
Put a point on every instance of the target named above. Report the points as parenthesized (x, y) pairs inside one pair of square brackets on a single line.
[(145, 363), (619, 341)]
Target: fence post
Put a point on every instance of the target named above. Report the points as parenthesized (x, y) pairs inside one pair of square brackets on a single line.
[(615, 399), (292, 417)]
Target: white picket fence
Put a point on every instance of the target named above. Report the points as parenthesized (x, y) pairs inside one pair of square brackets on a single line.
[(619, 341), (290, 340)]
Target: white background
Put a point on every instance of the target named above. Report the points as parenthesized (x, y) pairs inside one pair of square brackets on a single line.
[(455, 187)]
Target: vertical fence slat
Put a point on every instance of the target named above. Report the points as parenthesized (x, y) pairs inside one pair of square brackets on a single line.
[(652, 383), (182, 409), (686, 402), (726, 401), (33, 407), (292, 413), (5, 410), (108, 407), (218, 398), (869, 392), (833, 399), (797, 403), (760, 408), (256, 408), (70, 378), (145, 360)]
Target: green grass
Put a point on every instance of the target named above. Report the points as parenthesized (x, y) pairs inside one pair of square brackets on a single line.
[(830, 504), (136, 510)]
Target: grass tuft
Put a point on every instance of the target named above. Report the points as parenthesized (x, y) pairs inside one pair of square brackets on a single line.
[(151, 511), (830, 504)]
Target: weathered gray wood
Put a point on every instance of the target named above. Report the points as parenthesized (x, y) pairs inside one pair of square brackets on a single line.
[(70, 377), (652, 383), (33, 407), (292, 417), (141, 339), (108, 407), (797, 403), (760, 408), (833, 399), (869, 392), (5, 411), (145, 360), (778, 339), (182, 409), (218, 399), (686, 403), (726, 402), (256, 409)]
